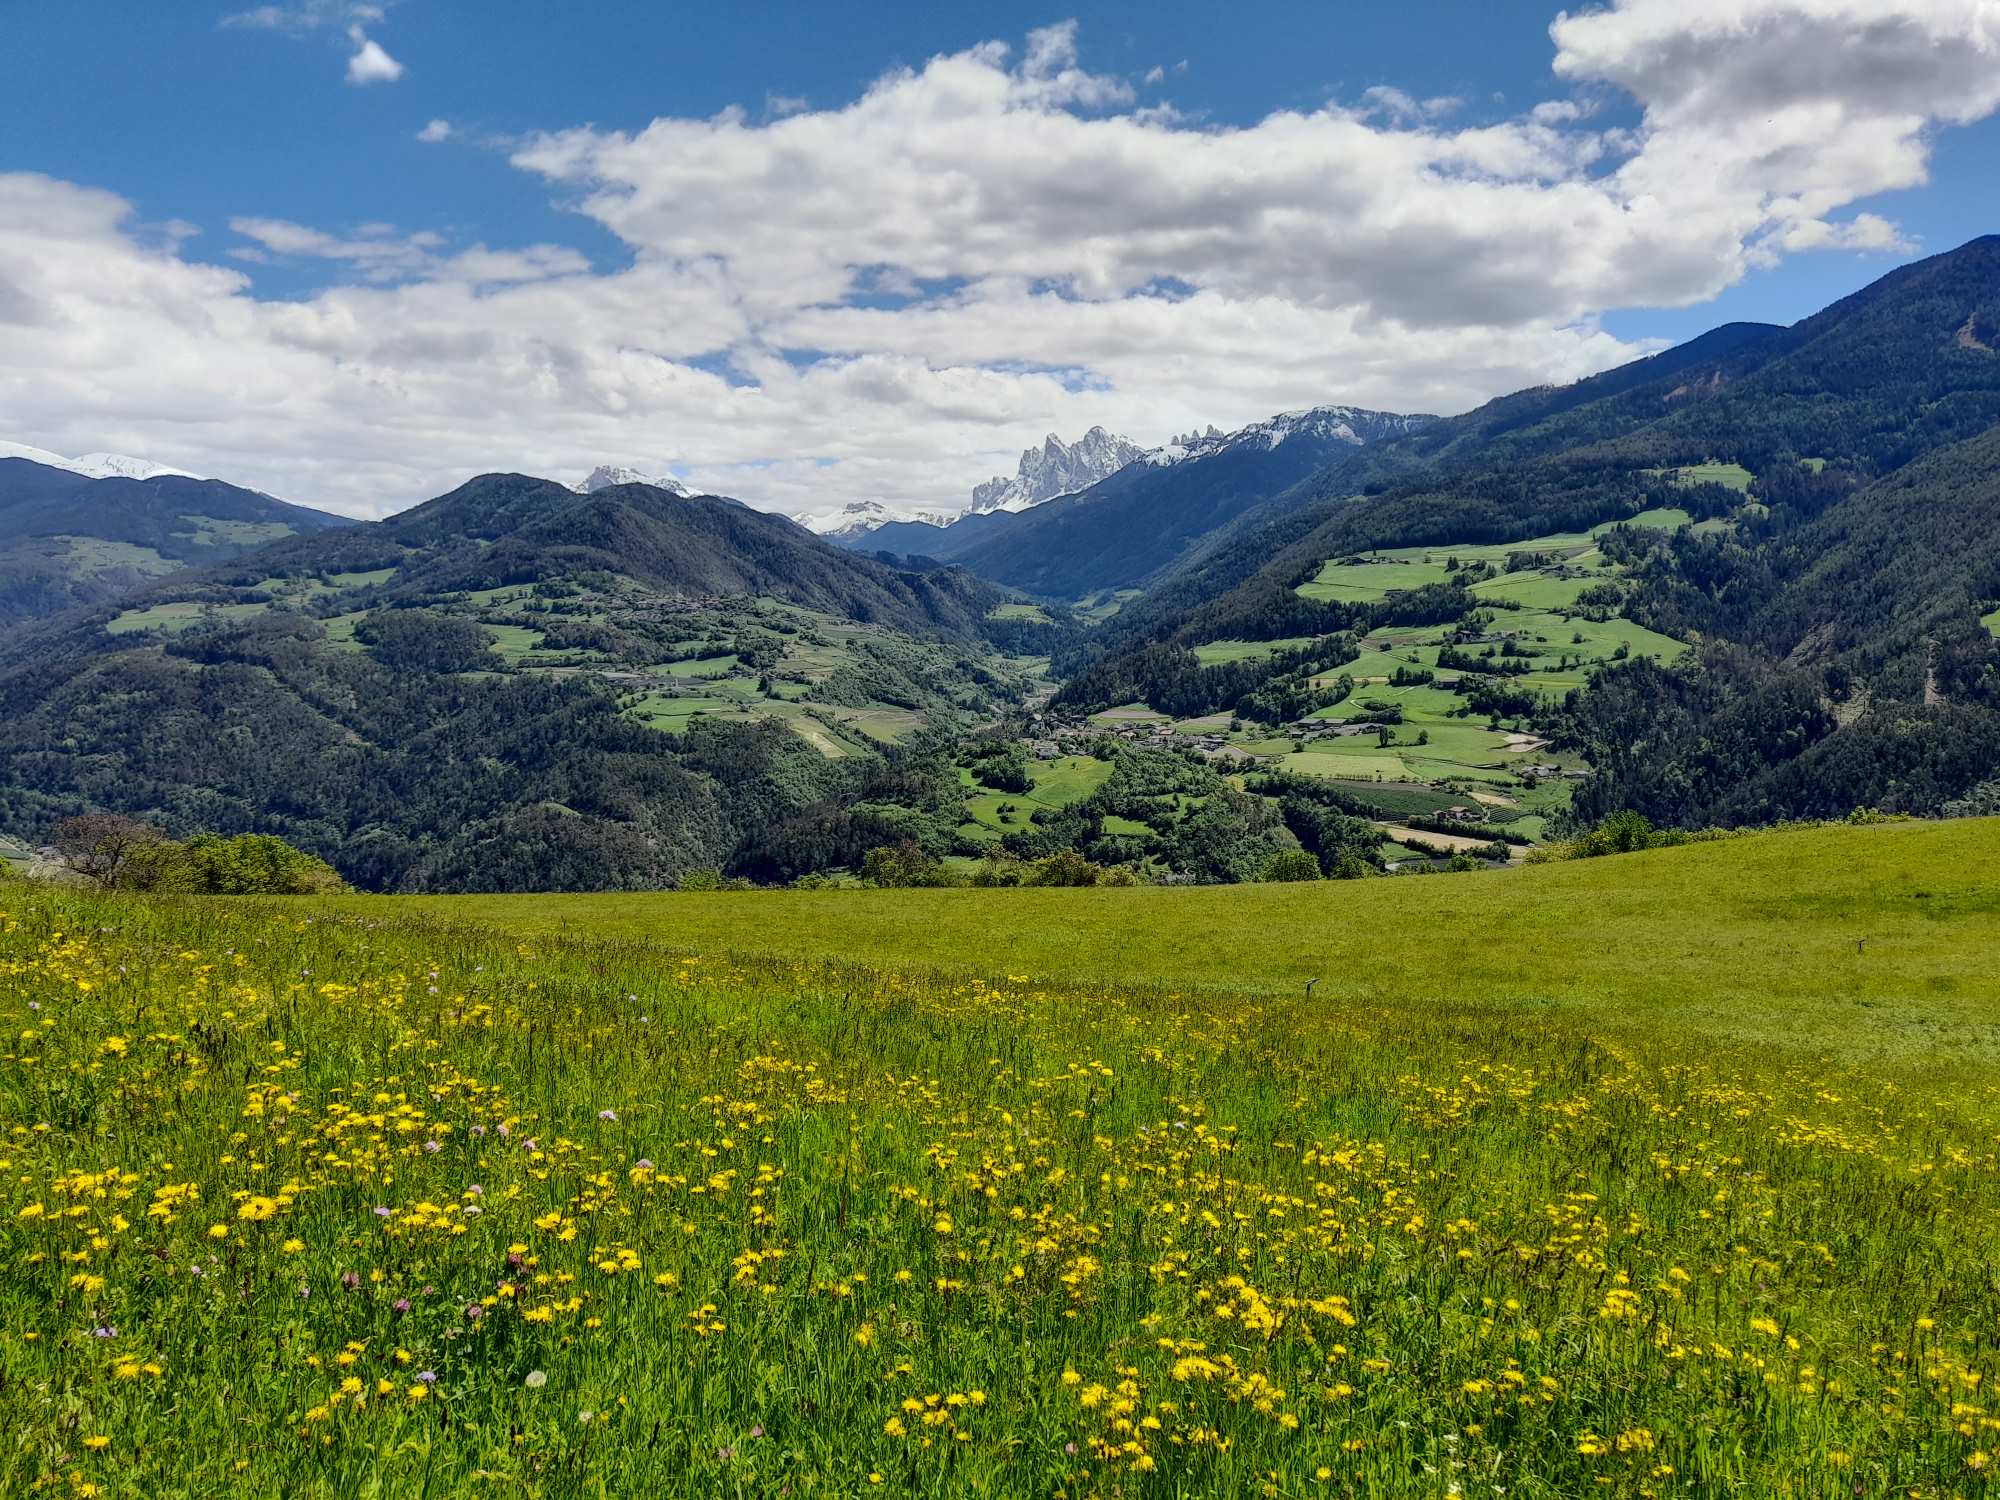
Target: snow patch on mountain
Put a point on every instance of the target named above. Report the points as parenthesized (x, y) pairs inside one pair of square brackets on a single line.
[(94, 465), (604, 476)]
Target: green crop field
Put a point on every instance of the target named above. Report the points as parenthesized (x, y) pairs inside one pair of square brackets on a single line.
[(1668, 1174)]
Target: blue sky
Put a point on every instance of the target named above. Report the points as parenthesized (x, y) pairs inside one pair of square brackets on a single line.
[(872, 357)]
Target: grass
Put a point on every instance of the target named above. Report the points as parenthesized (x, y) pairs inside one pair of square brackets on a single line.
[(212, 531), (706, 666), (1735, 476), (1058, 782), (1216, 652), (513, 641), (1767, 922), (174, 618), (1020, 611), (662, 711), (90, 554), (1628, 1176), (1991, 619)]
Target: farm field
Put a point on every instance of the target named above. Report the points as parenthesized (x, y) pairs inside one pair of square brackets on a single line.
[(314, 1200), (1529, 629)]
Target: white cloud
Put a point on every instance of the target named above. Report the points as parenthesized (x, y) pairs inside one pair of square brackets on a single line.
[(887, 300), (370, 64), (435, 132), (308, 15), (367, 64)]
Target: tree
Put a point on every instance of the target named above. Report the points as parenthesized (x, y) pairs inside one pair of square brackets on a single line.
[(103, 847), (904, 865), (1290, 865)]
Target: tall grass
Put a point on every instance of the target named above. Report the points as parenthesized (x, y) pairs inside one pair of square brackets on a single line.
[(328, 1206)]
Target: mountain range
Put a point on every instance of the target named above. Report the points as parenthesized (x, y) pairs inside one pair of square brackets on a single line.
[(474, 691), (1055, 468), (1146, 515), (1749, 578), (94, 465)]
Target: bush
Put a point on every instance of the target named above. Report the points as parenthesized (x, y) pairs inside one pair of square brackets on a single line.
[(121, 854), (1290, 865), (1065, 867), (905, 866), (251, 864), (999, 869)]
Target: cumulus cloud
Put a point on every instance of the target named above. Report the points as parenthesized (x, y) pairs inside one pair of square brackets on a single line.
[(887, 299), (435, 132), (370, 64)]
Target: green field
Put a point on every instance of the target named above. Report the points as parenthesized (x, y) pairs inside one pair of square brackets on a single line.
[(1668, 1174), (91, 554), (174, 618), (1059, 782), (1735, 476), (1771, 918), (1991, 619), (1215, 652)]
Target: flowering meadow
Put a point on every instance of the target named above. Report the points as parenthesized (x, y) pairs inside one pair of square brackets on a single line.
[(296, 1204)]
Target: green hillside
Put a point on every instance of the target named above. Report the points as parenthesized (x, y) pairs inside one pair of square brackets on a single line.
[(1841, 483)]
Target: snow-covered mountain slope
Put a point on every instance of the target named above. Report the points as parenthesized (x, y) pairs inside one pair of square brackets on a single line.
[(1323, 424), (94, 465), (861, 517), (605, 475), (1056, 468)]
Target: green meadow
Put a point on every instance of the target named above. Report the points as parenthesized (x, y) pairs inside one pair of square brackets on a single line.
[(1661, 1175)]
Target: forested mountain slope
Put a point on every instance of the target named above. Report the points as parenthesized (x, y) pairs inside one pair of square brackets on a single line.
[(512, 686), (68, 539)]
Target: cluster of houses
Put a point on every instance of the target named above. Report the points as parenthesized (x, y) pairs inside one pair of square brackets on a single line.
[(1547, 771)]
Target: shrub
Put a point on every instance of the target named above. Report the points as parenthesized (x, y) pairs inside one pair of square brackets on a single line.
[(251, 864), (1065, 867), (1290, 865), (905, 866)]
